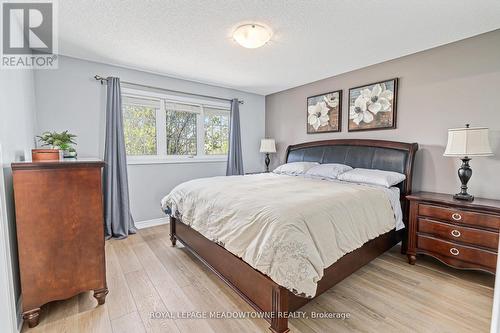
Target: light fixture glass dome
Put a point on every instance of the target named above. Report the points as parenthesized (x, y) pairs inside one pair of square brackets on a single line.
[(252, 36)]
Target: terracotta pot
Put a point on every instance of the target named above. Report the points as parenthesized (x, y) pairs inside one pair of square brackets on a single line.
[(45, 155)]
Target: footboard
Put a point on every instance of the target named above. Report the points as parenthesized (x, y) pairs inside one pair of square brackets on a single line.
[(257, 289)]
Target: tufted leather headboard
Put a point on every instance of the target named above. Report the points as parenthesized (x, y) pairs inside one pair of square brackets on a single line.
[(368, 154)]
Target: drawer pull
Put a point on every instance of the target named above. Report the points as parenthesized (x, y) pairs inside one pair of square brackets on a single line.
[(456, 216), (455, 233), (454, 251)]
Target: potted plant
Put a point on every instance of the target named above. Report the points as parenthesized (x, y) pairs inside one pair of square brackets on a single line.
[(59, 141)]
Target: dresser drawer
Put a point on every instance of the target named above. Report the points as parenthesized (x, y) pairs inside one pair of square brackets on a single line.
[(460, 234), (459, 252), (460, 216)]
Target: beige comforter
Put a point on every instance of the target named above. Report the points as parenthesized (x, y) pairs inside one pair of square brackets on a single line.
[(289, 228)]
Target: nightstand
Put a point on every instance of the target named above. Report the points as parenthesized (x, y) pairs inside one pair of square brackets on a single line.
[(461, 234)]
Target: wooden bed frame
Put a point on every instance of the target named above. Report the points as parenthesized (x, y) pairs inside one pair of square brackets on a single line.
[(265, 295)]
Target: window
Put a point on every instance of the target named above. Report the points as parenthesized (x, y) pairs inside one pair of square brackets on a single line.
[(139, 126), (181, 128), (216, 131), (162, 128)]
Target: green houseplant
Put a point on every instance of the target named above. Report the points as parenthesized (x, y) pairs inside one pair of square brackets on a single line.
[(63, 141)]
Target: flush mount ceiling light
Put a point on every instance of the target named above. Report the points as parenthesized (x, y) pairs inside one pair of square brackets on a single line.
[(252, 35)]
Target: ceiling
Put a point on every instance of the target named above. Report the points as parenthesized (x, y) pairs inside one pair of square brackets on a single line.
[(313, 39)]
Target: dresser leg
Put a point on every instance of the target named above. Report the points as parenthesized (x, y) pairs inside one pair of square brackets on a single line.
[(411, 259), (32, 317), (100, 295)]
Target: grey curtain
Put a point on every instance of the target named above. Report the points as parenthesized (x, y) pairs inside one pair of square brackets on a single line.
[(234, 157), (117, 218)]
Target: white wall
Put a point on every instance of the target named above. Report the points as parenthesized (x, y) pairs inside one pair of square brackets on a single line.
[(17, 128), (70, 99), (441, 88)]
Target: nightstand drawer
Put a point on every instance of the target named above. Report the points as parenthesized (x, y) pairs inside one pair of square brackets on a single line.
[(460, 234), (460, 216), (455, 251)]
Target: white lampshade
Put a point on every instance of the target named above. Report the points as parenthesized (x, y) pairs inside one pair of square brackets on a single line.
[(468, 142), (267, 146)]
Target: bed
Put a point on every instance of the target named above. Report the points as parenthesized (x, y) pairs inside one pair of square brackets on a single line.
[(235, 249)]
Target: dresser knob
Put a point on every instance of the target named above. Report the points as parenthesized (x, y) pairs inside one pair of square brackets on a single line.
[(455, 233), (454, 251), (456, 216)]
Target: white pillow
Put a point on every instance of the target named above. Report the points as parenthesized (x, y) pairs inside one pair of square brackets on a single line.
[(328, 170), (373, 177), (294, 168)]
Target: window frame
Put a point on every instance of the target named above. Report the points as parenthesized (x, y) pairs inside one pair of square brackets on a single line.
[(161, 131)]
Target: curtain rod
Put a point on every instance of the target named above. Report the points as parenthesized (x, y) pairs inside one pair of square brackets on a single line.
[(103, 79)]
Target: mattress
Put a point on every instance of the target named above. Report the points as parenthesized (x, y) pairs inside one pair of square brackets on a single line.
[(287, 227)]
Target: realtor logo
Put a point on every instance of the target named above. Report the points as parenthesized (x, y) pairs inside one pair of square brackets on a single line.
[(29, 35)]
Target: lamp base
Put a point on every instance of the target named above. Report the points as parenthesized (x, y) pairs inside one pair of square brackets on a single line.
[(464, 197), (464, 173)]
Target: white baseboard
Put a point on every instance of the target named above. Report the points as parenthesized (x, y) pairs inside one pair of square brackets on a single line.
[(152, 223)]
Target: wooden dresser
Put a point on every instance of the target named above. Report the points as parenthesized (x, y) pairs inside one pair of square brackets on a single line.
[(459, 233), (60, 232)]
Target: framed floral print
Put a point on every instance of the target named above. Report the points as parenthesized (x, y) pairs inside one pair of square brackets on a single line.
[(324, 112), (373, 106)]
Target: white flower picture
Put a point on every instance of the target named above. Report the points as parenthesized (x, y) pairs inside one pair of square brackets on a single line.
[(359, 111), (318, 115), (332, 100), (324, 112), (378, 98), (373, 106)]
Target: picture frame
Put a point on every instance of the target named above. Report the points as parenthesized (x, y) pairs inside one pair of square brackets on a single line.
[(324, 112), (373, 106)]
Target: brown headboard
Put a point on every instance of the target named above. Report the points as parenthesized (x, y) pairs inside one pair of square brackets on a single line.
[(368, 154)]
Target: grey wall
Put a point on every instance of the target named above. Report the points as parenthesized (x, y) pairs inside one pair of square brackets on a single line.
[(69, 98), (441, 88), (17, 127)]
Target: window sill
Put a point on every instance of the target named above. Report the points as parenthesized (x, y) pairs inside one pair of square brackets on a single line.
[(145, 161)]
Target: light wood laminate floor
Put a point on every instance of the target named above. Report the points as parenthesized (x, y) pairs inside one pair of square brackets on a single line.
[(146, 274)]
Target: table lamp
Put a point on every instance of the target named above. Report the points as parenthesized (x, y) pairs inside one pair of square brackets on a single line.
[(267, 146), (465, 143)]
